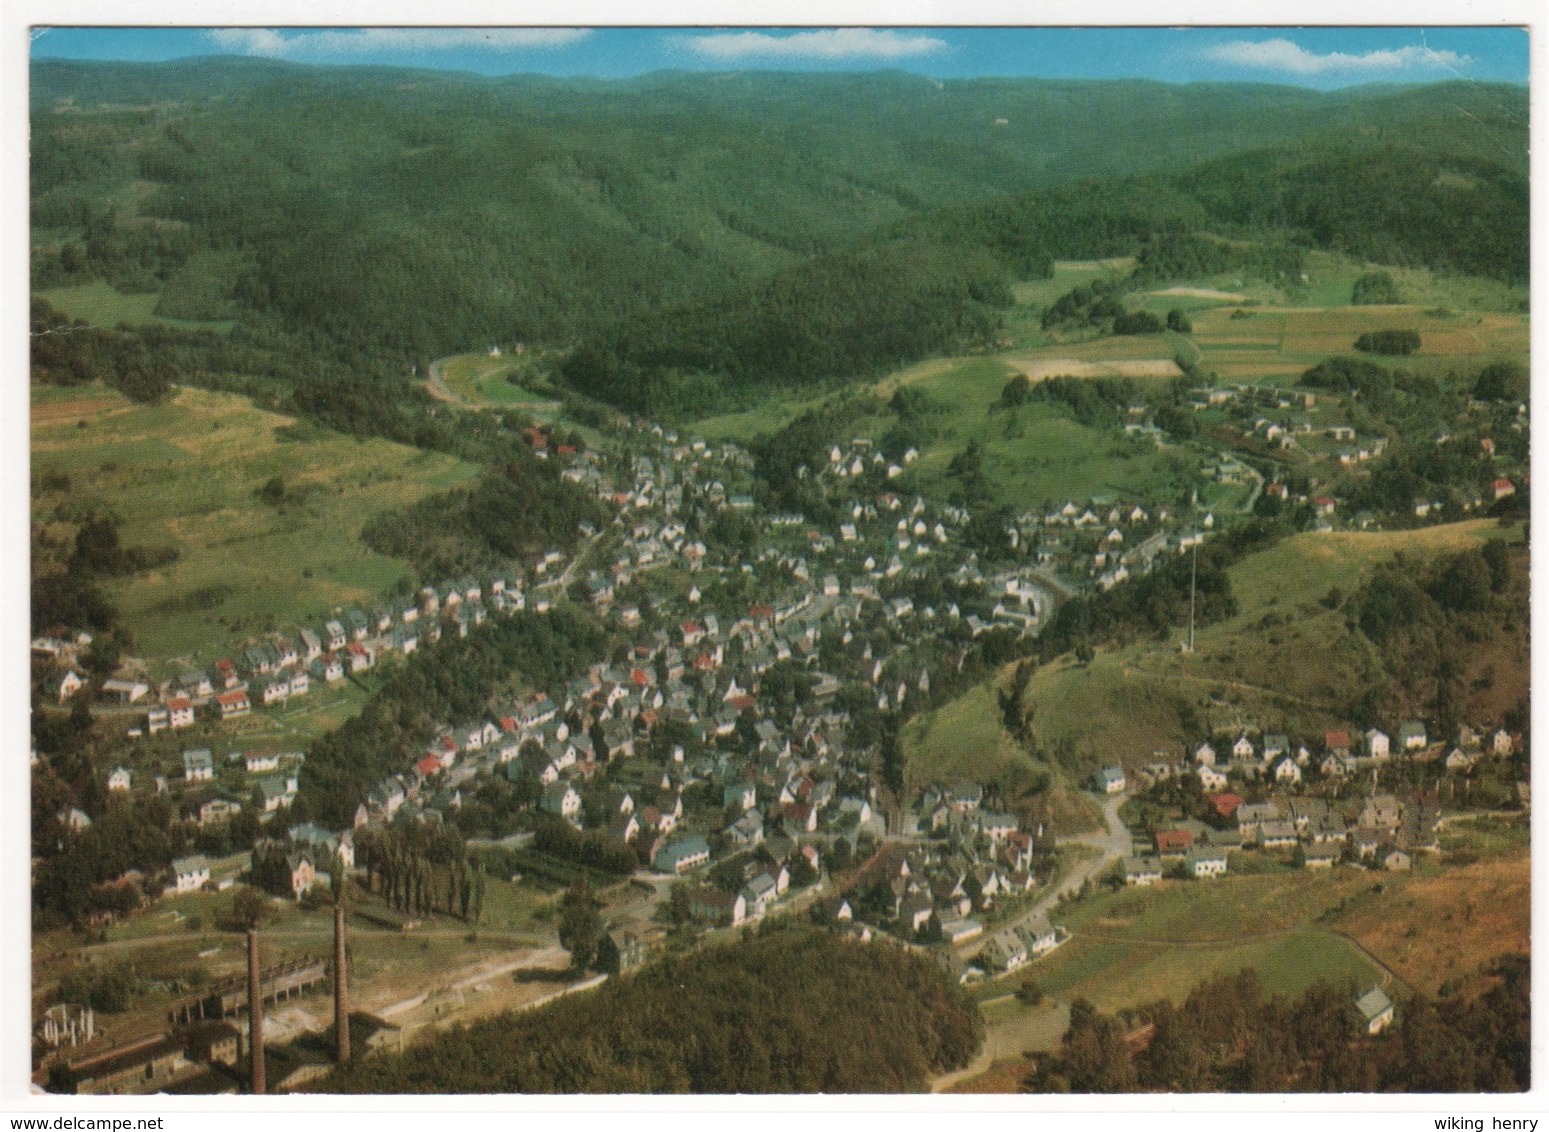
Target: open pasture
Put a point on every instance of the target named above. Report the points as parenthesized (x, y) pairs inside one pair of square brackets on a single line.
[(1440, 927), (244, 565), (100, 304), (1137, 945)]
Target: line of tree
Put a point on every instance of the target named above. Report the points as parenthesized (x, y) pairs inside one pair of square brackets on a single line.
[(419, 868), (1390, 343), (592, 848)]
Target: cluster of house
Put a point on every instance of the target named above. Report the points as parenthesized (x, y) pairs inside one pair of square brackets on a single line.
[(858, 458), (1290, 420), (1378, 831), (1104, 541), (1275, 756), (945, 888), (304, 856)]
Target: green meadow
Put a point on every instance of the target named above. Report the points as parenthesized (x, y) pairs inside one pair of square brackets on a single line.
[(245, 566)]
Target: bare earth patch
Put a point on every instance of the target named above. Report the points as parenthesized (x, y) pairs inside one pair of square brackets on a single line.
[(1204, 293), (1037, 369)]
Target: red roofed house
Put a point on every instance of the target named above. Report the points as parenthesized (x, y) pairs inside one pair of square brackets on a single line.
[(428, 765), (1502, 488), (1174, 842), (1226, 804), (233, 704), (741, 704), (1336, 740), (228, 673), (1323, 505), (181, 712), (693, 633), (801, 815), (640, 678)]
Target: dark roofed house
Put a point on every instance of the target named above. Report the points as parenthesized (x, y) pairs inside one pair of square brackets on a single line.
[(214, 1043), (1375, 1009), (146, 1066)]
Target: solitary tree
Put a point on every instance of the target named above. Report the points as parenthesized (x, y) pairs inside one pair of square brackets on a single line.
[(249, 907)]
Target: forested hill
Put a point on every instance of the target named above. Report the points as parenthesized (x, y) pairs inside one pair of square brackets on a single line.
[(793, 1011), (401, 215)]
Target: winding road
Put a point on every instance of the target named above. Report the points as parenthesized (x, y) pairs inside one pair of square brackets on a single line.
[(1113, 843)]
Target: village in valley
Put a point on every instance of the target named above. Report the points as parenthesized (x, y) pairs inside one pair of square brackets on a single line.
[(721, 765), (692, 584)]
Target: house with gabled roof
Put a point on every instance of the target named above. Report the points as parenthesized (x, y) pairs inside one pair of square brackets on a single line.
[(682, 855), (1173, 842), (189, 874), (1202, 863), (233, 704), (1142, 870), (1375, 1010), (198, 765), (1004, 951)]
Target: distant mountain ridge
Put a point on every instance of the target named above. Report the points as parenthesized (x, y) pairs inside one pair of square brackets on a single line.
[(404, 214)]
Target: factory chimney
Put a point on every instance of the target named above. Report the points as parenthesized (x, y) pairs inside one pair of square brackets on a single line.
[(255, 1014), (341, 993)]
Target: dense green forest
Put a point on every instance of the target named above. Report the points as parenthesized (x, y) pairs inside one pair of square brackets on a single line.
[(791, 1011), (712, 232), (1229, 1035)]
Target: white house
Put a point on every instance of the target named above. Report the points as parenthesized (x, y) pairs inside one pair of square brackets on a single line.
[(191, 873), (198, 765)]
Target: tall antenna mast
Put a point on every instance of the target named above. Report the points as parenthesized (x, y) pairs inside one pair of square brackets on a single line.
[(1193, 578)]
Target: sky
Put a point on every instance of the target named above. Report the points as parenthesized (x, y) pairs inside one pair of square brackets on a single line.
[(1324, 58)]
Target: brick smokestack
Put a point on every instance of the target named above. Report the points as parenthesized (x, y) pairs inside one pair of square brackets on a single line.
[(341, 992), (255, 1014)]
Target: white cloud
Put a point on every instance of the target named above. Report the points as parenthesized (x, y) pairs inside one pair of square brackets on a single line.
[(840, 43), (1283, 55), (382, 41)]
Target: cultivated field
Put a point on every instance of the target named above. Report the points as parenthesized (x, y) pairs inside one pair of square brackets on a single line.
[(245, 566)]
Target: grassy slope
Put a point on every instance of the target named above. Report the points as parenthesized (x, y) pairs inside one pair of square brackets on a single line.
[(1132, 701), (1411, 932), (1134, 946), (258, 565), (101, 305)]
